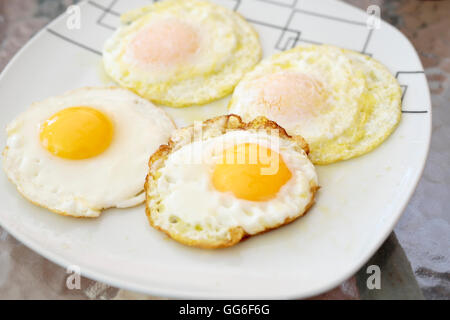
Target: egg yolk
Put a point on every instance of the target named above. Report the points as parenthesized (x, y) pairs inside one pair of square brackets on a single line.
[(292, 94), (77, 133), (251, 172), (166, 42)]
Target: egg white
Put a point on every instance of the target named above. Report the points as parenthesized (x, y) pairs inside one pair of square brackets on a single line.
[(228, 48), (363, 106), (342, 85), (188, 205), (82, 188)]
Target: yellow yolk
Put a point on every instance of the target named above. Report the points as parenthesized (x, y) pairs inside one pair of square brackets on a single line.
[(291, 94), (166, 43), (251, 172), (77, 133)]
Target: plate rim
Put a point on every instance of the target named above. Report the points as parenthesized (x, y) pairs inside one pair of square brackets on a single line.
[(182, 293)]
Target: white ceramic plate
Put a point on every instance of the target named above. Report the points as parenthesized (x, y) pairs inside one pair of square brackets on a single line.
[(358, 205)]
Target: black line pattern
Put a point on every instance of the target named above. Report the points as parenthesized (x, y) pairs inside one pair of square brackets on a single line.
[(325, 16), (293, 36), (237, 5), (294, 3), (270, 25), (110, 10), (405, 88), (409, 111), (74, 42), (281, 4), (104, 14), (289, 40), (369, 36), (407, 72), (293, 40)]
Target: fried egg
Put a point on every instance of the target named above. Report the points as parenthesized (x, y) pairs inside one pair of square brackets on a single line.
[(222, 180), (181, 52), (343, 103), (84, 151), (382, 104)]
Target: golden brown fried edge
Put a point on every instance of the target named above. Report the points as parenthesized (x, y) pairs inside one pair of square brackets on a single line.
[(224, 123)]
